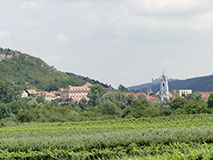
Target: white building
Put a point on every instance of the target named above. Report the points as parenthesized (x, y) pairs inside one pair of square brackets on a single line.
[(24, 94), (164, 88), (181, 92)]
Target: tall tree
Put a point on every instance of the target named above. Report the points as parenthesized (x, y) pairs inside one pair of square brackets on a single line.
[(96, 92), (178, 103), (122, 88), (7, 93), (210, 101), (138, 106), (194, 96)]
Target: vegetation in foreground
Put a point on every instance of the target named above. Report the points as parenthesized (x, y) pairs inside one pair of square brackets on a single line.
[(173, 137), (110, 126)]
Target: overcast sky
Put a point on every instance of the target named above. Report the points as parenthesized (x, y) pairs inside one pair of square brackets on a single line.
[(115, 41)]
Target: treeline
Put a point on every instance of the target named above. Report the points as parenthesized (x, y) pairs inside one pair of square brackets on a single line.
[(104, 104)]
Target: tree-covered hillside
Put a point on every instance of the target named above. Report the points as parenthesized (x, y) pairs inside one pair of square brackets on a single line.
[(26, 71)]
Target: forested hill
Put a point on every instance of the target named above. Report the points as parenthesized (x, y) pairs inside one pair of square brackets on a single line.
[(26, 72), (202, 84)]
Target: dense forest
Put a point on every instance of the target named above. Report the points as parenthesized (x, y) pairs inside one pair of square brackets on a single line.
[(26, 71)]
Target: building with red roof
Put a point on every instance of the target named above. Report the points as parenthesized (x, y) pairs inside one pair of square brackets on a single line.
[(153, 98), (32, 92), (75, 93), (205, 95), (149, 97), (136, 95)]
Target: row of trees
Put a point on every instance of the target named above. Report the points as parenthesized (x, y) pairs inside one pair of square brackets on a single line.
[(104, 103)]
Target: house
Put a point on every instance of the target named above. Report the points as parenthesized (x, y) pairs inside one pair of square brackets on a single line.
[(181, 92), (153, 98), (32, 92), (50, 96), (24, 94), (136, 95), (139, 95), (75, 93), (205, 95)]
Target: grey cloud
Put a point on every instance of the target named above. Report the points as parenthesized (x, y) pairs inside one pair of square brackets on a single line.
[(114, 41)]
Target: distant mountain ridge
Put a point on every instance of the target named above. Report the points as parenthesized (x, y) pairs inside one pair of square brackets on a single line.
[(26, 71), (200, 84)]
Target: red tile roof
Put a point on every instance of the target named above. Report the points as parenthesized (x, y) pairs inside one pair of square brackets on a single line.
[(152, 97), (88, 84), (32, 91), (136, 95), (205, 95)]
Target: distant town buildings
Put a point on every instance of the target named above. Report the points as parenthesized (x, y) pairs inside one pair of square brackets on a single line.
[(72, 93), (136, 95), (75, 93), (163, 93), (181, 92), (205, 95), (149, 90)]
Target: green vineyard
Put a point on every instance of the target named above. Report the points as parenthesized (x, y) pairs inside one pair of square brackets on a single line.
[(174, 137)]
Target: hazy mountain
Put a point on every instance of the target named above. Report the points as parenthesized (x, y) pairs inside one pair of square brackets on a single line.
[(202, 84)]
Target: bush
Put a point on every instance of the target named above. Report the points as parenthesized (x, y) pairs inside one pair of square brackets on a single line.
[(151, 112), (177, 103), (194, 107), (110, 108)]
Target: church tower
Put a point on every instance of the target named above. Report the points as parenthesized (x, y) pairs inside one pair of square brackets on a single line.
[(164, 88)]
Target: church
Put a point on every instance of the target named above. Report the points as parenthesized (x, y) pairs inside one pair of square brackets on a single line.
[(163, 93), (164, 88)]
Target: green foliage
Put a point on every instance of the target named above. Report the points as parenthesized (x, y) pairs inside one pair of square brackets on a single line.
[(83, 103), (4, 111), (151, 112), (122, 88), (7, 93), (40, 99), (178, 103), (96, 92), (194, 96), (194, 107), (111, 108), (174, 137), (130, 98), (26, 71), (210, 101), (137, 107)]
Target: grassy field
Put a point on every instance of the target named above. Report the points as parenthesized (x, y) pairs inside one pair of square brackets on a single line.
[(177, 137)]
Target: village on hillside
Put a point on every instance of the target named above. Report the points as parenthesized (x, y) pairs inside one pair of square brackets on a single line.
[(76, 93), (163, 94)]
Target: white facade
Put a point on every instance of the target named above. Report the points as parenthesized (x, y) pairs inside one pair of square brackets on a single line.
[(24, 94), (164, 88), (181, 92)]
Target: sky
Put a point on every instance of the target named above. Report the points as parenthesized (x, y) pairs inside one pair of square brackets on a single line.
[(125, 42)]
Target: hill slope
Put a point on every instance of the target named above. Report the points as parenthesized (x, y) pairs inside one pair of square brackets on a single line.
[(201, 84), (26, 71)]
